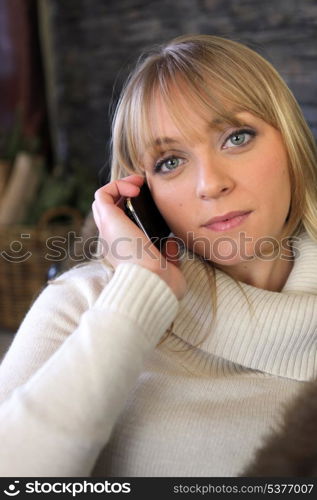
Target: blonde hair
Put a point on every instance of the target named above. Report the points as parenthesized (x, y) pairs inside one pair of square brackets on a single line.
[(222, 77)]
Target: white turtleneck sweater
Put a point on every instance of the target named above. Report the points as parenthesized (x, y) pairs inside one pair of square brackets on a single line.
[(87, 391)]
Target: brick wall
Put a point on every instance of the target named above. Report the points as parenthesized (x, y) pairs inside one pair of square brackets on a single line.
[(91, 41)]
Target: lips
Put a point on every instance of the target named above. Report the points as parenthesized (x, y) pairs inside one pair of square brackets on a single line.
[(225, 217), (227, 221)]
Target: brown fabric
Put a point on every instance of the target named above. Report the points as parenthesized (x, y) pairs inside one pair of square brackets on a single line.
[(292, 450)]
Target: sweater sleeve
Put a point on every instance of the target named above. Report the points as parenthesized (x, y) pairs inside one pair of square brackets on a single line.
[(58, 420)]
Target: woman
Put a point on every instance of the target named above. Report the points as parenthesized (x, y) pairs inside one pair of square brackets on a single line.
[(142, 365)]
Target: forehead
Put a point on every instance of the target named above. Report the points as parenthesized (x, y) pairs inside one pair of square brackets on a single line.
[(174, 114), (179, 119), (173, 118)]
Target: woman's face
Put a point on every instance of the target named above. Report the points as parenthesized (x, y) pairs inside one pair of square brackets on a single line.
[(238, 174)]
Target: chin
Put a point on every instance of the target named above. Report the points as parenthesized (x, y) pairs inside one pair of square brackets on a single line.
[(226, 252)]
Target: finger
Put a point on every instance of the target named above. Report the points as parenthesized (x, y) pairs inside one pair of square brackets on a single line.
[(112, 192), (128, 186), (135, 179), (132, 185), (138, 180)]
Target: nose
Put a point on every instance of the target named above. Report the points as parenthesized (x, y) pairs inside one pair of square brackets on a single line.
[(213, 181)]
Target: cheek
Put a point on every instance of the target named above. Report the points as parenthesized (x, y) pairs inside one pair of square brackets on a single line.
[(274, 201), (280, 187), (172, 209), (271, 181), (175, 211), (168, 199)]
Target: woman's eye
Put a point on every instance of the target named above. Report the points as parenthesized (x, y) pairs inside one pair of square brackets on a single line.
[(239, 138), (168, 164)]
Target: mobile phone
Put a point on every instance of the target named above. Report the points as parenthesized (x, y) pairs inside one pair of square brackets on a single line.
[(143, 211)]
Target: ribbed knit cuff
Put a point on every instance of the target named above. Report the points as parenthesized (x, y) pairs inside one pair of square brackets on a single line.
[(142, 296)]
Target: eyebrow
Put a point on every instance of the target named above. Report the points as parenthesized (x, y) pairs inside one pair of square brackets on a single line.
[(165, 140), (160, 141)]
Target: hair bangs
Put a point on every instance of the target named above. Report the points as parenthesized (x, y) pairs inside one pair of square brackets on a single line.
[(217, 88), (179, 93)]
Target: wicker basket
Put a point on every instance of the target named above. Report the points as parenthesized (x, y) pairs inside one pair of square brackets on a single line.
[(26, 255)]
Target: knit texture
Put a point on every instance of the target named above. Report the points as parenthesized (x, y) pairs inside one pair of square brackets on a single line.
[(95, 396)]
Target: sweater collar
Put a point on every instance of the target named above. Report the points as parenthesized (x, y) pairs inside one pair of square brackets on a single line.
[(273, 332)]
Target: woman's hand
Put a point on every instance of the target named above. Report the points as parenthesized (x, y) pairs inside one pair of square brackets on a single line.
[(123, 241)]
